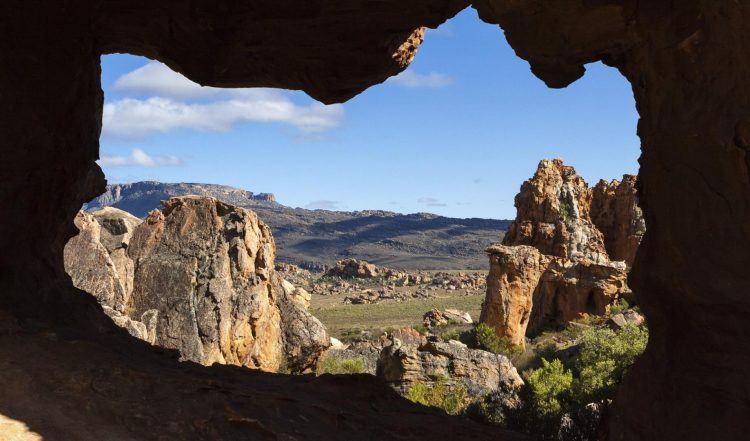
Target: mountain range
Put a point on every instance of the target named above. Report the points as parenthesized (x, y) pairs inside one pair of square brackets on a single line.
[(316, 238)]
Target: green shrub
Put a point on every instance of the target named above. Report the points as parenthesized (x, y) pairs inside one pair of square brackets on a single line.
[(592, 376), (619, 306), (339, 365), (549, 388), (604, 359), (453, 334), (453, 400), (487, 339)]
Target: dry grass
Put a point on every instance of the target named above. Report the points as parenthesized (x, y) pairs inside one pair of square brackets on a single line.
[(340, 318)]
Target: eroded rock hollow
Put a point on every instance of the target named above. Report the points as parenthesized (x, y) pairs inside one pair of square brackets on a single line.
[(686, 61)]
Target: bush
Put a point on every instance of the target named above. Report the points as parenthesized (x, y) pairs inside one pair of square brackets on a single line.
[(549, 389), (339, 365), (487, 339), (604, 359), (452, 400), (619, 306)]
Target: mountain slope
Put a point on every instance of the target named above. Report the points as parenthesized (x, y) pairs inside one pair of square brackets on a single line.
[(320, 237)]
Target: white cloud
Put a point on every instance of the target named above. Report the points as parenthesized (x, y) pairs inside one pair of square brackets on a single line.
[(139, 158), (157, 79), (431, 202), (174, 102), (412, 79), (323, 205)]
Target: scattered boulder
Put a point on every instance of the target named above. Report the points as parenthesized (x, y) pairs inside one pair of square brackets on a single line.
[(403, 365), (629, 317), (353, 268), (435, 317)]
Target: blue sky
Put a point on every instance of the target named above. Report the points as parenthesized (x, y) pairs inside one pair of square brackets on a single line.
[(455, 135)]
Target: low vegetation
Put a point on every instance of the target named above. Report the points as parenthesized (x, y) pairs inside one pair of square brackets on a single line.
[(452, 399), (340, 318), (338, 365), (487, 339), (563, 398)]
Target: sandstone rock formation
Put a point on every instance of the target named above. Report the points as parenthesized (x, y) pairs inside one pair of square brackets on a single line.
[(615, 212), (553, 266), (567, 290), (553, 215), (197, 277), (527, 290), (688, 67), (403, 365), (512, 281)]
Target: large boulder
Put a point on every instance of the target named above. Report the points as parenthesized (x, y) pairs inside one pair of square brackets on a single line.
[(349, 268), (616, 213), (197, 277), (404, 365)]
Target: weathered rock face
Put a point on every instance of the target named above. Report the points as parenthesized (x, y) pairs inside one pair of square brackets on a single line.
[(557, 268), (207, 268), (553, 215), (91, 266), (688, 65), (403, 365), (527, 290), (615, 212), (514, 276), (567, 290), (202, 281)]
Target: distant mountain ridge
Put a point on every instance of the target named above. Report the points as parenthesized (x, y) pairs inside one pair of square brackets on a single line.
[(320, 237)]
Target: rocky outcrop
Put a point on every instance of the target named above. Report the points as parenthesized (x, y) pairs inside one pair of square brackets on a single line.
[(197, 277), (89, 264), (553, 215), (514, 275), (404, 365), (553, 266), (615, 212), (353, 268), (569, 290), (527, 290)]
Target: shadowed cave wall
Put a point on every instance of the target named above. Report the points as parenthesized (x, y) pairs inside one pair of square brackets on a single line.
[(687, 63)]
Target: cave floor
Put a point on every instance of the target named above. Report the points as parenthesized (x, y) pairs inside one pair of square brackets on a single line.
[(57, 387)]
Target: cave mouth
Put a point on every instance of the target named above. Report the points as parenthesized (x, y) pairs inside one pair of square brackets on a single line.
[(135, 89), (685, 62)]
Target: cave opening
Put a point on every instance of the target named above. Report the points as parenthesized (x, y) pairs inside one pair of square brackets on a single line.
[(164, 137), (685, 64)]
